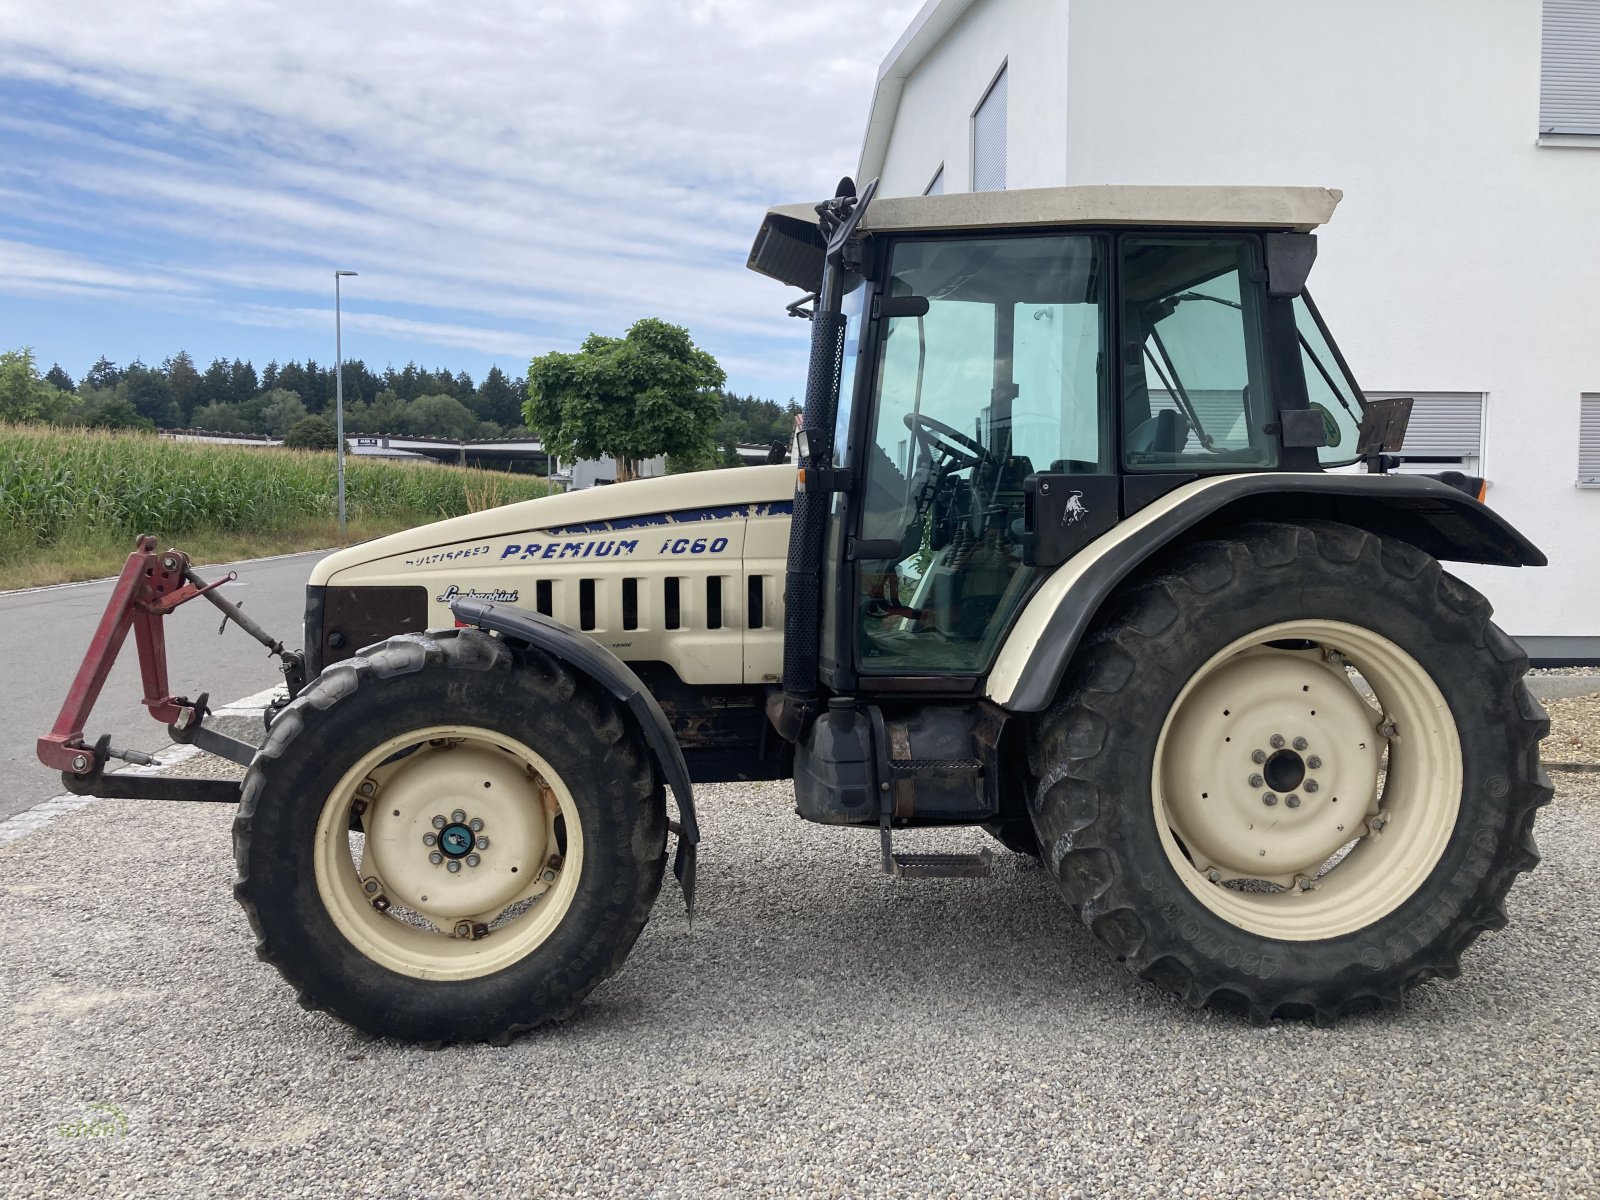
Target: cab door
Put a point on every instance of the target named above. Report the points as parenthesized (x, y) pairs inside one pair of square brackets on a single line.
[(996, 372)]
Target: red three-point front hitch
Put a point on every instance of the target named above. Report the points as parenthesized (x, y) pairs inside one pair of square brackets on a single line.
[(151, 585)]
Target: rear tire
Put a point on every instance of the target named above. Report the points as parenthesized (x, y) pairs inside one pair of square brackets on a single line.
[(1167, 818), (502, 918)]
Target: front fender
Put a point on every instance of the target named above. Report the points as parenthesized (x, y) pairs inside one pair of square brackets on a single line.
[(588, 657), (1431, 515)]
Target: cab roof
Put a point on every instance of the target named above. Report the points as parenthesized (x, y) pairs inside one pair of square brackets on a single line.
[(789, 247)]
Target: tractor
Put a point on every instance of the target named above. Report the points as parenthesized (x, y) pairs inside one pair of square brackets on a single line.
[(1091, 540)]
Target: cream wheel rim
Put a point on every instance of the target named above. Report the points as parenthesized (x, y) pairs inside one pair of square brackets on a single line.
[(1288, 801), (469, 853)]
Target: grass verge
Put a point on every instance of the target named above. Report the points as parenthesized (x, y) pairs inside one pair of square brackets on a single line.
[(96, 557)]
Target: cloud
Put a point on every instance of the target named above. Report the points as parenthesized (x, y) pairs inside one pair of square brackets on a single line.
[(504, 176)]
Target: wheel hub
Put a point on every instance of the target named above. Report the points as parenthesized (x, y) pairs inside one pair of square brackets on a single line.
[(456, 841), (428, 833), (1284, 771), (1271, 763)]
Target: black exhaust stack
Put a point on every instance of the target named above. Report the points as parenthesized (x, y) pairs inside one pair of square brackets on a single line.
[(802, 622)]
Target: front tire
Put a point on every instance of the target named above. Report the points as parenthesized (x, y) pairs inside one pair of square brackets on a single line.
[(443, 839), (1234, 818)]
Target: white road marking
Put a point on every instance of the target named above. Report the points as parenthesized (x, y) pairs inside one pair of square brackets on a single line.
[(42, 814)]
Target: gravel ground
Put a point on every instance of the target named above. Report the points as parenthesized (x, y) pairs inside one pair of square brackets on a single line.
[(1574, 730), (820, 1030)]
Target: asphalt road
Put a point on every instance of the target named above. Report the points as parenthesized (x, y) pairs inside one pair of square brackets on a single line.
[(44, 633)]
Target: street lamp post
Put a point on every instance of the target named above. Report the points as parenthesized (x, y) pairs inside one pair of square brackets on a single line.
[(338, 392)]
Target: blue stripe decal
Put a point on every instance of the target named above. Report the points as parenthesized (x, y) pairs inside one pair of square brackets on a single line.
[(683, 516)]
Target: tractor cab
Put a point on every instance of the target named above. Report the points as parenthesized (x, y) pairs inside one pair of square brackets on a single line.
[(1019, 372)]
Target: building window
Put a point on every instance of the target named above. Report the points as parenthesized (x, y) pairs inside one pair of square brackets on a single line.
[(1589, 440), (936, 184), (1446, 431), (1569, 75), (989, 138)]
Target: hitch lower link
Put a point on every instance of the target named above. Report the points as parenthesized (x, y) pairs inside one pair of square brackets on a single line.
[(151, 585)]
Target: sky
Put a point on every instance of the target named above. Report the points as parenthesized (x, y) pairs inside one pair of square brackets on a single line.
[(505, 177)]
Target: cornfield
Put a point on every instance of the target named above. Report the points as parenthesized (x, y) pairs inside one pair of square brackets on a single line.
[(56, 484)]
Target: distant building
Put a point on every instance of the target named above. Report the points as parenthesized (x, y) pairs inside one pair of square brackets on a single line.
[(1463, 266)]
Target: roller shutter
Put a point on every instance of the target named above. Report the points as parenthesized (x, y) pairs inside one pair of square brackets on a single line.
[(989, 139), (1569, 75), (1589, 440)]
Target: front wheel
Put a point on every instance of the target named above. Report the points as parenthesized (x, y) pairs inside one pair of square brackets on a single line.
[(441, 840), (1335, 790)]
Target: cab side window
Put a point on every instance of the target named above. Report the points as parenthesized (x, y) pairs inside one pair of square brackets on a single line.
[(1195, 392)]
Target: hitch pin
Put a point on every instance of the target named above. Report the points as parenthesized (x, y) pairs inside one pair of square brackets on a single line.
[(103, 750)]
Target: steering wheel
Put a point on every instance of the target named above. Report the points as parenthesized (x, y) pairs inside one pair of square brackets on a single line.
[(960, 450)]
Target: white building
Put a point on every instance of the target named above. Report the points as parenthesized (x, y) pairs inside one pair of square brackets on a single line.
[(1463, 266)]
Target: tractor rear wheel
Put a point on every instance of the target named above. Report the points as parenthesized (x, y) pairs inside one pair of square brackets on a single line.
[(1336, 788), (446, 840)]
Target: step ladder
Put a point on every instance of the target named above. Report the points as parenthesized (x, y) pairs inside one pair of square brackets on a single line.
[(913, 865)]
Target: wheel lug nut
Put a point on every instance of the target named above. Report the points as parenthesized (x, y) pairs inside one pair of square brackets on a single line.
[(371, 886), (1258, 756), (439, 822), (473, 860), (1292, 800), (1269, 799), (1311, 785), (475, 824), (549, 876), (367, 788), (1256, 781), (1276, 741), (1300, 743), (1313, 762), (430, 839), (458, 816), (483, 843), (453, 866), (1214, 875), (436, 858)]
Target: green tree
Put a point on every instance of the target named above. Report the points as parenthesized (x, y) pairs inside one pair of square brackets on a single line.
[(648, 393), (281, 410), (216, 387), (439, 416), (498, 400), (312, 433), (59, 379), (242, 382), (184, 380), (150, 394), (226, 418), (104, 374), (24, 393), (111, 409)]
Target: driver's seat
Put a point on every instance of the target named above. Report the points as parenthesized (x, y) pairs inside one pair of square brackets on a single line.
[(1164, 434)]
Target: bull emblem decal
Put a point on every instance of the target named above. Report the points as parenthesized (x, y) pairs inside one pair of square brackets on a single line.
[(1074, 511)]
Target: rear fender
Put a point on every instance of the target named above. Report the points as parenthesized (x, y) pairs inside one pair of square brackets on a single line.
[(1431, 515), (588, 657)]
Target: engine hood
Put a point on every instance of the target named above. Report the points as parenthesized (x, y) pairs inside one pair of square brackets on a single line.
[(639, 500)]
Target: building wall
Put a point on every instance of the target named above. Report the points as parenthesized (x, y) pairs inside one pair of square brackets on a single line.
[(934, 121), (1464, 258)]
